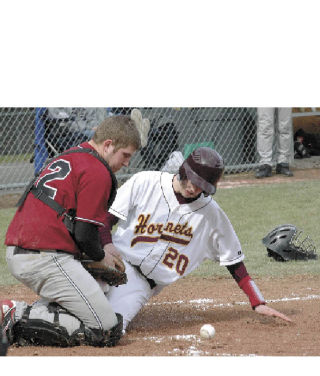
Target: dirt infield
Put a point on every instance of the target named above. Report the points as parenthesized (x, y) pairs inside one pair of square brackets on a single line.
[(169, 325)]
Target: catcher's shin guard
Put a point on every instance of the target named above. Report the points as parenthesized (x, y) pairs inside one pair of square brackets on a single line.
[(38, 332)]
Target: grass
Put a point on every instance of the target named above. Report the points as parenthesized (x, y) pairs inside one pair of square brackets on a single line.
[(5, 218), (253, 211), (15, 158)]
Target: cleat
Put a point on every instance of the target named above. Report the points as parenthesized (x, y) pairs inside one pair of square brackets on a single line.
[(283, 169), (7, 318), (3, 343), (264, 171), (116, 332)]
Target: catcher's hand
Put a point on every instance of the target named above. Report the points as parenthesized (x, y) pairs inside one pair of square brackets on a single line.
[(110, 270)]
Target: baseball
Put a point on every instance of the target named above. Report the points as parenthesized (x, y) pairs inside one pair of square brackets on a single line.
[(207, 331)]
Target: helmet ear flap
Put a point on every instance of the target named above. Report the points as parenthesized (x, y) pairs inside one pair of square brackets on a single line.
[(182, 173)]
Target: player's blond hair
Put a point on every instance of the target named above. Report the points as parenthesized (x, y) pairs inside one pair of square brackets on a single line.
[(121, 130)]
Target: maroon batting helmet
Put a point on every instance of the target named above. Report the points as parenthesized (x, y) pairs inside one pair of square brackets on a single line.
[(203, 168)]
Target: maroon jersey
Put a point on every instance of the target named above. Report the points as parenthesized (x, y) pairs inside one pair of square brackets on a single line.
[(76, 181)]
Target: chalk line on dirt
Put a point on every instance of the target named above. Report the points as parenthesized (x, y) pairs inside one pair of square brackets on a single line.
[(203, 303)]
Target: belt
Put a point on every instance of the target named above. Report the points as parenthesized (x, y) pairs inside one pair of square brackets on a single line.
[(151, 282), (24, 251)]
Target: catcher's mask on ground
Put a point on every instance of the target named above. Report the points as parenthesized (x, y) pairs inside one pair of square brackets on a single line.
[(286, 242), (203, 167)]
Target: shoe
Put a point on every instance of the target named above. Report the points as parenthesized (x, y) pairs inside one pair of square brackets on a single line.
[(283, 168), (3, 343), (264, 171), (116, 332), (7, 318)]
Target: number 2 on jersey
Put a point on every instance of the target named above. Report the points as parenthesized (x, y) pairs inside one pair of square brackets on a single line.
[(58, 170), (174, 259)]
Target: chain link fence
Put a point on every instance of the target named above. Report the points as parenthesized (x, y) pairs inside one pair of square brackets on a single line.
[(28, 136)]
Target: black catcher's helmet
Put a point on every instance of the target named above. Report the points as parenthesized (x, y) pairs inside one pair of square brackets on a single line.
[(203, 168), (286, 243)]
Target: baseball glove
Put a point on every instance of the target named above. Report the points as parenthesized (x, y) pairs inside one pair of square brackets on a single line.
[(113, 276)]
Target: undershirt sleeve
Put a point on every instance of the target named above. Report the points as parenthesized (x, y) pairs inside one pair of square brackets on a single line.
[(106, 231), (238, 271), (86, 236), (248, 286)]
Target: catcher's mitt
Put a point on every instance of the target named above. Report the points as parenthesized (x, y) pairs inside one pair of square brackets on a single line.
[(112, 276)]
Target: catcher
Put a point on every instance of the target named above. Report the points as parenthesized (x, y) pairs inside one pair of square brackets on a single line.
[(58, 219)]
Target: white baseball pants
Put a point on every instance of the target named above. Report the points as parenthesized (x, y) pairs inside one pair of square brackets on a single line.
[(128, 299), (268, 131)]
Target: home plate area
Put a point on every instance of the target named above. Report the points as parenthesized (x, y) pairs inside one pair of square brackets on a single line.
[(169, 325)]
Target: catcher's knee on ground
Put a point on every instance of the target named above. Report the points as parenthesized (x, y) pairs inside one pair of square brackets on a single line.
[(62, 330)]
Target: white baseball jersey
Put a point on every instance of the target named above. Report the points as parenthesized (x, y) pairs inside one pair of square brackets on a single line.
[(166, 239)]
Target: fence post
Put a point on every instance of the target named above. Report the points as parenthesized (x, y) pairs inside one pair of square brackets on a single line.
[(40, 152)]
